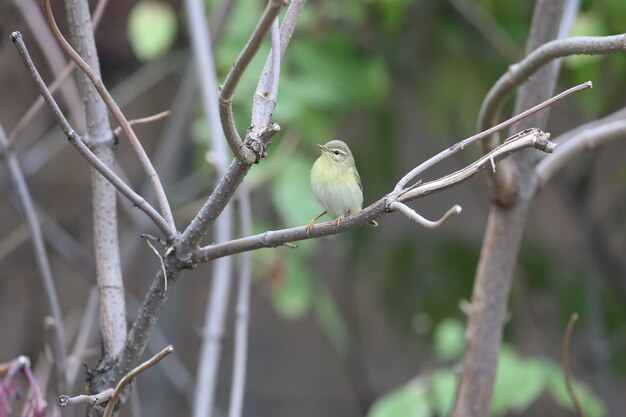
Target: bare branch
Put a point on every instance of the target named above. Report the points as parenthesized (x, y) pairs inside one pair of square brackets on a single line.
[(412, 215), (90, 400), (528, 138), (242, 312), (242, 153), (119, 116), (75, 140), (465, 142), (108, 412), (518, 73), (571, 147), (41, 257), (56, 84), (565, 357), (143, 120)]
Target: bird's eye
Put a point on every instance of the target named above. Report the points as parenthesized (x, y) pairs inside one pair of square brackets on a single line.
[(336, 152)]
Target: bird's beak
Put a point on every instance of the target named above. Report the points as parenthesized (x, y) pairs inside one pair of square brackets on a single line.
[(322, 147)]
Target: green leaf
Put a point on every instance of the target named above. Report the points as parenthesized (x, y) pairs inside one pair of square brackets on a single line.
[(449, 339), (293, 298), (518, 384), (410, 400), (443, 387), (152, 29)]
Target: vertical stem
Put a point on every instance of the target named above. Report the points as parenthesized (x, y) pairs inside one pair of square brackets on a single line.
[(106, 242), (504, 232), (215, 314), (242, 312)]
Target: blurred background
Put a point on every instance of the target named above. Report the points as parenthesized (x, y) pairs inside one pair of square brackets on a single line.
[(369, 322)]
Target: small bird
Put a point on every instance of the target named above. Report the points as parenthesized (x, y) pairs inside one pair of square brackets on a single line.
[(336, 182)]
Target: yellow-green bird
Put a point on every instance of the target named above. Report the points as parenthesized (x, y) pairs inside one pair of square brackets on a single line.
[(336, 182)]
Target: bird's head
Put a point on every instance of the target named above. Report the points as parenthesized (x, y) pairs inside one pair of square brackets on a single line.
[(337, 151)]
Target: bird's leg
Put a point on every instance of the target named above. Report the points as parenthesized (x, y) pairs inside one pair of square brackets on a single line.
[(312, 223), (340, 219)]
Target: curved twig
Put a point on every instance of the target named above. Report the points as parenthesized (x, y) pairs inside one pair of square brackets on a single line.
[(583, 140), (234, 75), (465, 142), (565, 357), (494, 100), (161, 198), (75, 140), (108, 412), (413, 215)]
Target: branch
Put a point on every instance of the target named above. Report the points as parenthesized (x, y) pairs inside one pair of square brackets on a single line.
[(57, 83), (90, 400), (41, 257), (242, 312), (241, 152), (565, 356), (493, 103), (119, 116), (465, 142), (108, 412), (574, 144), (528, 138), (75, 140), (412, 215)]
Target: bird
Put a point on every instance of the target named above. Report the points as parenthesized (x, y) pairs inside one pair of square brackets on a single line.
[(336, 183)]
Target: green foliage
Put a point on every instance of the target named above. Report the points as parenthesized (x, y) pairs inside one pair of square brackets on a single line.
[(152, 27), (519, 383), (449, 340)]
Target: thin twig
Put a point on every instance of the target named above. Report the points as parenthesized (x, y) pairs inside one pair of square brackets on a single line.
[(565, 357), (465, 142), (494, 100), (143, 120), (78, 143), (90, 400), (57, 83), (242, 153), (528, 138), (413, 215), (108, 412), (119, 116), (582, 140), (41, 257)]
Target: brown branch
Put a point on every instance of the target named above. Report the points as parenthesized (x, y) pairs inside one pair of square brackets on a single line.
[(504, 179), (143, 120), (108, 412), (504, 231), (75, 140), (119, 116), (565, 357)]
